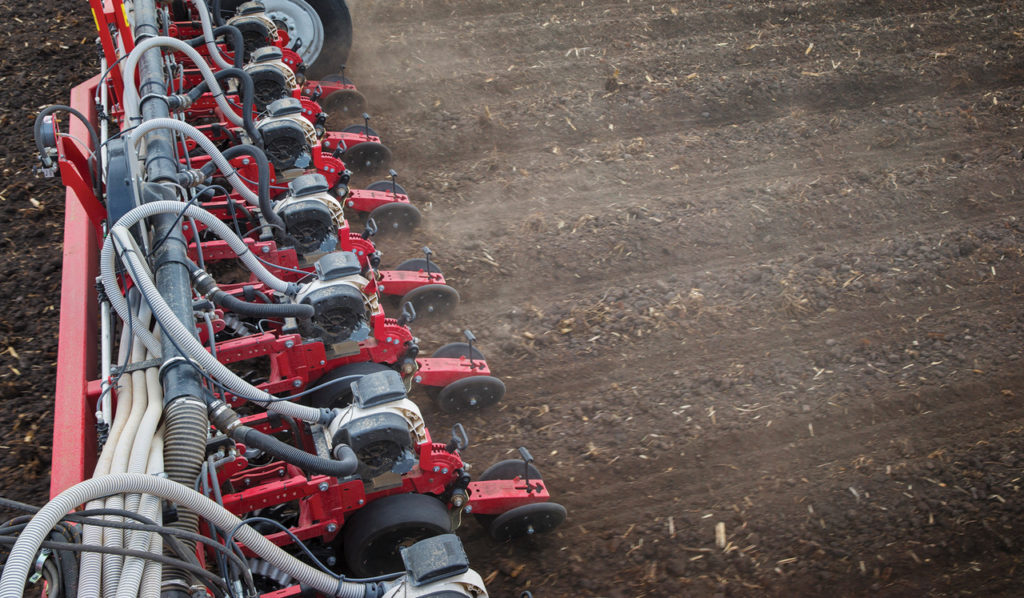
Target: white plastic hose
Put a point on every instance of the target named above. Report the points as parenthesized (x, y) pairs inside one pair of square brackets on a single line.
[(190, 345), (24, 551), (131, 93), (211, 45), (154, 571), (139, 132)]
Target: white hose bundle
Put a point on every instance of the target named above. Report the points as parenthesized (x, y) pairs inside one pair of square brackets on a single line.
[(131, 93), (185, 338), (23, 553)]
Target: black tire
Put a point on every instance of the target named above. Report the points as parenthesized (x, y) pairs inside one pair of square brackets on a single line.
[(504, 470), (535, 518), (432, 300), (367, 158), (373, 535), (337, 22), (474, 392), (508, 470), (395, 217), (343, 105), (360, 130), (456, 350), (340, 395), (386, 185), (417, 264)]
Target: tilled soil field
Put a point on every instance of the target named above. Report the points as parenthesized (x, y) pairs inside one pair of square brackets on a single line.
[(751, 271)]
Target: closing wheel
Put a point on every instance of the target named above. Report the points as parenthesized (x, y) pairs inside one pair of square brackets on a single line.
[(340, 394), (505, 470), (432, 300), (456, 350), (386, 185), (374, 535), (474, 392), (369, 158), (343, 105), (536, 518), (360, 130), (418, 264), (395, 217)]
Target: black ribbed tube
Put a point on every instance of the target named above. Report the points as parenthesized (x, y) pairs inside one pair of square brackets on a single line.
[(262, 310), (345, 464)]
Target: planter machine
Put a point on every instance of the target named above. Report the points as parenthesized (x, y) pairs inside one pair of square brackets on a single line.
[(250, 433)]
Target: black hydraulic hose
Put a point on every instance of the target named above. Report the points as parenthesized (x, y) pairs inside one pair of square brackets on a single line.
[(261, 310), (248, 96), (263, 190), (237, 42), (218, 19), (344, 465)]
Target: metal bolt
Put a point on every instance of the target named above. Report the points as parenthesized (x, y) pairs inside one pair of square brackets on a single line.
[(323, 486), (280, 473), (445, 470), (322, 362), (247, 481), (361, 501), (289, 344), (331, 561), (418, 379), (436, 469), (530, 530), (351, 204), (297, 383), (245, 161), (468, 509), (332, 527), (265, 249)]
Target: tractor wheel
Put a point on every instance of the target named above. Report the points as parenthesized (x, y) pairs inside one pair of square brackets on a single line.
[(374, 534), (535, 518), (368, 158), (395, 217), (474, 392), (342, 106), (340, 394), (386, 185), (419, 264), (337, 25), (432, 300), (302, 22)]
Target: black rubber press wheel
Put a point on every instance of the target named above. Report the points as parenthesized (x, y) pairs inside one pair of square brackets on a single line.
[(373, 536), (367, 158), (535, 518), (432, 300), (342, 105), (395, 217), (474, 392)]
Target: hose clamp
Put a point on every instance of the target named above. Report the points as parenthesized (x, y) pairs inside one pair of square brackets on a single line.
[(173, 361)]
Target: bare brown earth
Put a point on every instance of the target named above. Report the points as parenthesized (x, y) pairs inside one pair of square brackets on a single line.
[(752, 264)]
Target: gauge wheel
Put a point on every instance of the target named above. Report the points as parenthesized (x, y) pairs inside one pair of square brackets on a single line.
[(526, 520), (340, 394), (432, 300), (395, 217), (474, 392), (374, 536)]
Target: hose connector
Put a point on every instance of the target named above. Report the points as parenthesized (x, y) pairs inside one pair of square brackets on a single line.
[(203, 282), (223, 417)]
